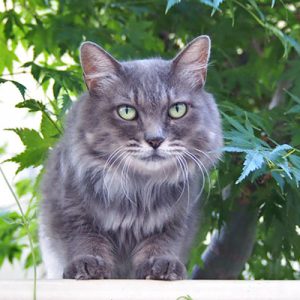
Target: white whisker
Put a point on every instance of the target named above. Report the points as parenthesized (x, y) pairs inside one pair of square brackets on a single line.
[(200, 166), (125, 167), (186, 168), (178, 159)]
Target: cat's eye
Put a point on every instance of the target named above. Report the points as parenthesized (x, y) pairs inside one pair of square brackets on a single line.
[(127, 112), (177, 110)]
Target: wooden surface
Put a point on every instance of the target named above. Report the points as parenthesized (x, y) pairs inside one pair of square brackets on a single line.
[(150, 290)]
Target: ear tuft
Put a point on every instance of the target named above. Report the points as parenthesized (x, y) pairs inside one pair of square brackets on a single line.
[(99, 67), (191, 63)]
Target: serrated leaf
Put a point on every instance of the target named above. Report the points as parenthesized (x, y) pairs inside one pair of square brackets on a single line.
[(56, 89), (212, 3), (35, 71), (171, 3), (35, 152), (279, 151), (294, 110), (237, 139), (253, 161), (285, 167), (233, 149), (273, 3), (295, 160), (8, 28), (280, 181), (32, 105), (67, 102), (249, 126), (235, 124), (30, 158), (48, 130), (18, 85), (296, 174), (29, 137)]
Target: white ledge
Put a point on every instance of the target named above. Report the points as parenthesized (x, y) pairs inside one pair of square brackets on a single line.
[(150, 290)]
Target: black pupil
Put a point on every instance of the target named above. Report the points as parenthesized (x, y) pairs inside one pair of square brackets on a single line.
[(126, 110), (177, 107)]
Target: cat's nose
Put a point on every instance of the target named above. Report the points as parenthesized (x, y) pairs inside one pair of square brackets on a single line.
[(155, 142)]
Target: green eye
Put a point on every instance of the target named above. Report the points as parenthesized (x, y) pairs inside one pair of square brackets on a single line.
[(127, 112), (177, 110)]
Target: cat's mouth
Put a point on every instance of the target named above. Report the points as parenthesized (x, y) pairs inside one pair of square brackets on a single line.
[(153, 157)]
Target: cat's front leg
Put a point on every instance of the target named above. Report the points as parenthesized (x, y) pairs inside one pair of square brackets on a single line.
[(91, 258), (165, 267), (87, 267), (154, 259)]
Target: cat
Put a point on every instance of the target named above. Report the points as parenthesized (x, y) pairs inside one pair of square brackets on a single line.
[(121, 189)]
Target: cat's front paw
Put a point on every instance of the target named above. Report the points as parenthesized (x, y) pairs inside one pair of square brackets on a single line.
[(87, 267), (161, 268)]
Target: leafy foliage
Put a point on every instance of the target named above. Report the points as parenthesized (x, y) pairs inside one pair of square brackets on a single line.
[(255, 60)]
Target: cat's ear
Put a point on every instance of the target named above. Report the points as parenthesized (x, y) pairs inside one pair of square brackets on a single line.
[(99, 67), (190, 64)]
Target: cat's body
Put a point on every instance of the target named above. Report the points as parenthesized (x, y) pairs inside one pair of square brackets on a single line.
[(120, 195)]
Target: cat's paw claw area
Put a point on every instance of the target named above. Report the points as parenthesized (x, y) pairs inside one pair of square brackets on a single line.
[(87, 267), (162, 268)]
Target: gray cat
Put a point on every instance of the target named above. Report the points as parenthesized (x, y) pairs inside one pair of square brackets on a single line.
[(120, 195)]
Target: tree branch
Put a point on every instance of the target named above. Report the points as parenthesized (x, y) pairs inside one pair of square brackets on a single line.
[(278, 96), (230, 248)]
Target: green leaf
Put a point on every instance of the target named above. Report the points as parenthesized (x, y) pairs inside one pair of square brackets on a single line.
[(280, 181), (294, 110), (235, 124), (279, 151), (287, 41), (49, 131), (273, 3), (171, 3), (23, 187), (8, 28), (29, 259), (18, 85), (253, 161), (255, 6), (285, 166), (30, 157), (233, 149), (212, 3), (56, 89), (32, 105), (35, 152), (29, 137), (295, 160), (67, 102), (296, 174), (2, 150)]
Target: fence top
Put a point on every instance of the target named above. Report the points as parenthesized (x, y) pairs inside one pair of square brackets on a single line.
[(150, 290)]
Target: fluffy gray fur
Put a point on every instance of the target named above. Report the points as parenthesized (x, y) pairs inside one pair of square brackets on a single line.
[(114, 206)]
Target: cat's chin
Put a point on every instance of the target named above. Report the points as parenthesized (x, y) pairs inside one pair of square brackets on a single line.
[(158, 168), (153, 158), (153, 164)]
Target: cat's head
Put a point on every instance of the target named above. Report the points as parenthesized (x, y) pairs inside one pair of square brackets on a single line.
[(152, 116)]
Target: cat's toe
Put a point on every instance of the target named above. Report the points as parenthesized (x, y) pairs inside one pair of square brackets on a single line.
[(87, 267), (162, 268)]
